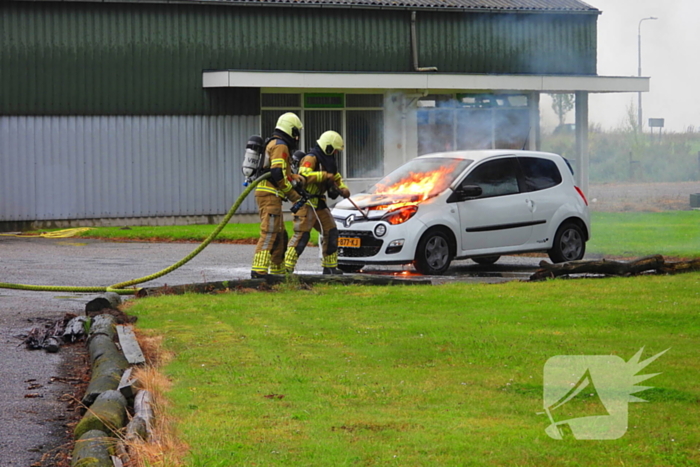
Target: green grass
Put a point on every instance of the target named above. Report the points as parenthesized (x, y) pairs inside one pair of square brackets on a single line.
[(194, 233), (232, 232), (423, 376), (670, 233)]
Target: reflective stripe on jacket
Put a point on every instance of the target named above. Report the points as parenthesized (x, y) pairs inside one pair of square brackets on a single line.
[(279, 158)]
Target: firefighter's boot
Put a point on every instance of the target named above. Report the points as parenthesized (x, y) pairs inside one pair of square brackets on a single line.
[(277, 269), (290, 259), (261, 263), (330, 264), (332, 271)]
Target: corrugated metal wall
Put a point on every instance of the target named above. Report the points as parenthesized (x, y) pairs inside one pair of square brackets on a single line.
[(72, 58), (508, 43), (54, 168)]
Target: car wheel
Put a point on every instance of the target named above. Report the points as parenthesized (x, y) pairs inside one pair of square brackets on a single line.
[(485, 260), (569, 244), (433, 255), (350, 268)]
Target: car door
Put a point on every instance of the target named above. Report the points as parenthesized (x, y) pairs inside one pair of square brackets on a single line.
[(542, 181), (501, 215)]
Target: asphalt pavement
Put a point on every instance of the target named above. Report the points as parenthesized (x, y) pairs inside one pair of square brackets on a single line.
[(32, 414)]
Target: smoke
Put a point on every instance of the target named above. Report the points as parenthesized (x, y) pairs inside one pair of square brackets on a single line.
[(472, 122)]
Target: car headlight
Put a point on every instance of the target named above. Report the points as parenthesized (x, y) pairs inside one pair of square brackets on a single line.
[(400, 215), (380, 230)]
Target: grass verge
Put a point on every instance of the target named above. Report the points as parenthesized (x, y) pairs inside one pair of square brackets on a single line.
[(670, 233), (234, 233), (444, 375)]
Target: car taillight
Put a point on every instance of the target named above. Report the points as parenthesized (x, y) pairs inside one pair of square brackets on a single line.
[(582, 195), (400, 215)]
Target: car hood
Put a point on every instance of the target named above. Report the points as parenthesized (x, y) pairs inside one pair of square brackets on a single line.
[(381, 202)]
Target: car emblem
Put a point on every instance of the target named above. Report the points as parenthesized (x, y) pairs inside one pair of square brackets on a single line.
[(349, 220)]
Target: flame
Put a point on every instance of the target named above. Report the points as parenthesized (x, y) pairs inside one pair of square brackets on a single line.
[(418, 186)]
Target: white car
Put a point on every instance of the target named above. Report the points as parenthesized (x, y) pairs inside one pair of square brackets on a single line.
[(465, 204)]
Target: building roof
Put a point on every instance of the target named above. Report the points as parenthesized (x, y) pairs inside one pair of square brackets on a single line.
[(494, 6)]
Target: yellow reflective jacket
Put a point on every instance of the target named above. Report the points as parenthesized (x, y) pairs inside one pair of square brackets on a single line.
[(316, 182), (278, 152)]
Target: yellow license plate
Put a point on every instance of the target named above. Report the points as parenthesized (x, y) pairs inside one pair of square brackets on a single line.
[(349, 242)]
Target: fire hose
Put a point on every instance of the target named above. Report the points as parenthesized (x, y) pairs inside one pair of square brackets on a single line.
[(121, 287)]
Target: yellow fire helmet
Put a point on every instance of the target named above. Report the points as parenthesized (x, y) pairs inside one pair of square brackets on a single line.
[(290, 124), (330, 141)]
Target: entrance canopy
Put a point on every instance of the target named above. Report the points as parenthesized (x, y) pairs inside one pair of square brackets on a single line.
[(424, 81)]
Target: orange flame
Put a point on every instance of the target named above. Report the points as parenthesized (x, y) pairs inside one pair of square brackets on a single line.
[(418, 185)]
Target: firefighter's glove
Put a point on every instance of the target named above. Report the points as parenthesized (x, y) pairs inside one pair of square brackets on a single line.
[(333, 192), (344, 192), (298, 182)]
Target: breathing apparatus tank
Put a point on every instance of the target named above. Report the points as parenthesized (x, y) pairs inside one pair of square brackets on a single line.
[(252, 162)]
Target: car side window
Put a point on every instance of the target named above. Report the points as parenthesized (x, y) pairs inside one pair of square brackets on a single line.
[(496, 178), (539, 173)]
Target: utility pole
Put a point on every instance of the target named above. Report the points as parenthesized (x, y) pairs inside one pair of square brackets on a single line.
[(639, 70)]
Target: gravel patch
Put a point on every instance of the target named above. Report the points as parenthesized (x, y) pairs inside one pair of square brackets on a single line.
[(649, 197)]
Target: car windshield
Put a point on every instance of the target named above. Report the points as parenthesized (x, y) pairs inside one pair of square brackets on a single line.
[(413, 182)]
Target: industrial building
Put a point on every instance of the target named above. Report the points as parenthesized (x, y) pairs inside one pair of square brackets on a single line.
[(138, 111)]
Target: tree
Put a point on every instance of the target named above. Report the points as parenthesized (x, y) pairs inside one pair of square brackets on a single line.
[(562, 104)]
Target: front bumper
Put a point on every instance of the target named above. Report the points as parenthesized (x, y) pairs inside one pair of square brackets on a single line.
[(396, 246)]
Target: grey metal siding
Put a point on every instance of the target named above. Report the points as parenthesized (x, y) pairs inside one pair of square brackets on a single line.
[(55, 168), (72, 58)]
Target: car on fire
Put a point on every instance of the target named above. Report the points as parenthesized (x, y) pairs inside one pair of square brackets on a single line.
[(481, 205)]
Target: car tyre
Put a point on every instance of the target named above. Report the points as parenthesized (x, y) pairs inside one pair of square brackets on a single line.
[(569, 244), (433, 255), (486, 260), (351, 268)]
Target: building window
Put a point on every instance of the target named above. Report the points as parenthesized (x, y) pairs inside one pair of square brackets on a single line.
[(359, 118), (290, 101), (365, 136), (449, 122)]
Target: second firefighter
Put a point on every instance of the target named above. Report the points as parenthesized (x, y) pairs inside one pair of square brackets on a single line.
[(320, 169)]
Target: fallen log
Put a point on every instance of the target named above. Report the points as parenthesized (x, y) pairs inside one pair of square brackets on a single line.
[(681, 266), (93, 450), (108, 363), (614, 268), (75, 329), (127, 385), (107, 414), (140, 425), (102, 325)]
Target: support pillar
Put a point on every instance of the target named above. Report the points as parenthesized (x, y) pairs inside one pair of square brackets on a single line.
[(582, 160), (534, 143)]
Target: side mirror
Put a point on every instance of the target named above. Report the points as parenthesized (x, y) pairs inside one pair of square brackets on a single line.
[(465, 192), (470, 191)]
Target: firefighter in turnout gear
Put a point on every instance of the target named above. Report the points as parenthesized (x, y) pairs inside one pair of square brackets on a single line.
[(269, 194), (320, 170)]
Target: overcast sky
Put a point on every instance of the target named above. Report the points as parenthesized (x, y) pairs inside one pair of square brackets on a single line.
[(670, 57)]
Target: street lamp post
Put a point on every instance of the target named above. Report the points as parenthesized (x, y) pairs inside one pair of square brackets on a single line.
[(639, 69)]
